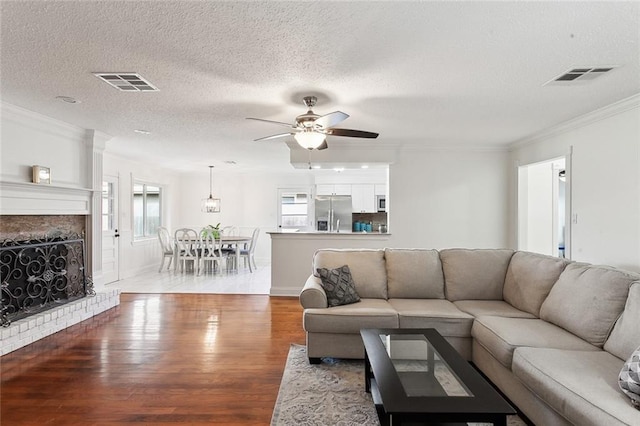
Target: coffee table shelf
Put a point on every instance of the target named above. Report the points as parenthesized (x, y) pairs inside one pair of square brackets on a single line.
[(416, 376)]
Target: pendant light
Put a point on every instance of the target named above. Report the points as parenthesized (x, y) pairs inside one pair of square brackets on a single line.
[(211, 205)]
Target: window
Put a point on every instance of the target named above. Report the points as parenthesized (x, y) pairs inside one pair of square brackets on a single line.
[(108, 210), (294, 209), (147, 205)]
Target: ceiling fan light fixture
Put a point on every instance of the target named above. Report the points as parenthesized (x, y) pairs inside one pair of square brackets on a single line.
[(309, 139)]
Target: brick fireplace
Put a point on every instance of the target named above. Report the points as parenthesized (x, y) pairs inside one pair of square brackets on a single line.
[(26, 240)]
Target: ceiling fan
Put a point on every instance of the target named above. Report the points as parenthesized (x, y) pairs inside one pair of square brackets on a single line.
[(310, 130)]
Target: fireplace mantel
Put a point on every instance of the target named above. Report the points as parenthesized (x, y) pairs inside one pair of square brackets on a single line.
[(26, 198)]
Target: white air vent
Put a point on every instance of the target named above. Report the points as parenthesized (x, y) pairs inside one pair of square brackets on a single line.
[(126, 81), (576, 75)]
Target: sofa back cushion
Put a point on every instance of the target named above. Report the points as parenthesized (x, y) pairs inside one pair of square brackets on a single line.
[(367, 268), (587, 300), (529, 279), (414, 274), (625, 336), (474, 274)]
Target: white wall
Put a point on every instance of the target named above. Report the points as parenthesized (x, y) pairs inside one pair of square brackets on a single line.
[(605, 182), (448, 198), (141, 256), (248, 200), (31, 139)]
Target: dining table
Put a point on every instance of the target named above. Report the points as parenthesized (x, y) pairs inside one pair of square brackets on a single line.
[(233, 240)]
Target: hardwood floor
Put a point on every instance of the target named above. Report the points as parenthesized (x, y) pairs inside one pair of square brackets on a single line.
[(157, 359)]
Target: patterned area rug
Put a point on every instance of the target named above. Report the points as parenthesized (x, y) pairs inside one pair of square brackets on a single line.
[(330, 393)]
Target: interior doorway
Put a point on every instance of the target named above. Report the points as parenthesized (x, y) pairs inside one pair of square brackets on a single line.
[(544, 208)]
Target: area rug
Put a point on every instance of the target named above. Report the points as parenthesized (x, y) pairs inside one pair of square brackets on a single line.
[(329, 393)]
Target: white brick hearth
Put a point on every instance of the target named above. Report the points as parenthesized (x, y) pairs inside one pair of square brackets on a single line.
[(28, 330)]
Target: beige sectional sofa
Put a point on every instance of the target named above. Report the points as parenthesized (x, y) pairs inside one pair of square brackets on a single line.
[(552, 334)]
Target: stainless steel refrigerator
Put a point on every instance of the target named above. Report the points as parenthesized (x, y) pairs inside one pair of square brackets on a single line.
[(333, 213)]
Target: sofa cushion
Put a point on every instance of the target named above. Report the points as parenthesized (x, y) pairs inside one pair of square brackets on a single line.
[(433, 313), (367, 268), (367, 313), (581, 386), (529, 279), (474, 274), (501, 336), (587, 300), (625, 336), (498, 308), (414, 274)]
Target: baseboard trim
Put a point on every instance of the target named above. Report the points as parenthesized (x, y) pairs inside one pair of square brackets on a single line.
[(284, 291)]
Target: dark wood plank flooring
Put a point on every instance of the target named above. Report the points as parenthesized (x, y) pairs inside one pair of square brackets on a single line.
[(157, 359)]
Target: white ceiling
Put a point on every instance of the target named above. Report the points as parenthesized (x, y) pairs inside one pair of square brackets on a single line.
[(428, 73)]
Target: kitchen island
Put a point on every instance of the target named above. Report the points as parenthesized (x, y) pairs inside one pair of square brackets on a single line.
[(292, 253)]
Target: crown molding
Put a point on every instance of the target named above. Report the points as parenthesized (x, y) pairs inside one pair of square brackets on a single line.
[(615, 108), (39, 121), (453, 148)]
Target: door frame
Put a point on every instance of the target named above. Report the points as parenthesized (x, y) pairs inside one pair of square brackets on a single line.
[(521, 204)]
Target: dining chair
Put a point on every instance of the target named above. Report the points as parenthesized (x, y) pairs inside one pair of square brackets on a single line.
[(210, 253), (247, 253), (228, 231), (166, 245), (186, 240)]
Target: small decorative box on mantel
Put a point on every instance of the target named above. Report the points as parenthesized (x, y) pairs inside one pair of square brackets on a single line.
[(41, 174)]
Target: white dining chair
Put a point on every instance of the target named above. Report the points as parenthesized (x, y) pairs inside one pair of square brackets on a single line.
[(230, 230), (166, 246), (186, 240), (211, 255), (247, 253)]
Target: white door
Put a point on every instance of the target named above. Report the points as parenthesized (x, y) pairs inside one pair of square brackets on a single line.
[(294, 209), (110, 246)]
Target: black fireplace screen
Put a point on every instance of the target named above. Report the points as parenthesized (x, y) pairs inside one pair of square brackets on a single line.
[(39, 274)]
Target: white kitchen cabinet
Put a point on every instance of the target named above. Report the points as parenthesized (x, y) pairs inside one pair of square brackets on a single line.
[(331, 189), (381, 189), (363, 198)]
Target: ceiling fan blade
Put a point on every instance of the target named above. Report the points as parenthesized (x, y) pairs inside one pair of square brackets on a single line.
[(323, 145), (271, 121), (352, 133), (331, 119), (280, 135)]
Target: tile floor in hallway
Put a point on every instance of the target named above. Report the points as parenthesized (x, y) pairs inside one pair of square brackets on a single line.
[(240, 282)]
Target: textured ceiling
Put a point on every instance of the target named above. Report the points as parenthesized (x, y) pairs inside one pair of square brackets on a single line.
[(419, 73)]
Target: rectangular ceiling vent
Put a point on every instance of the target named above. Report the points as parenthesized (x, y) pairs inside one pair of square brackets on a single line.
[(580, 75), (126, 81)]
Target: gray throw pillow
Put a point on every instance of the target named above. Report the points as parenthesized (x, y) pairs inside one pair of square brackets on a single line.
[(629, 379), (338, 285)]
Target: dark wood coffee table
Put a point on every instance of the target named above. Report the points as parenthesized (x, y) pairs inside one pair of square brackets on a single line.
[(416, 376)]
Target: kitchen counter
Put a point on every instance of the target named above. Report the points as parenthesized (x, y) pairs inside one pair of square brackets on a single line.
[(327, 234), (292, 252)]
